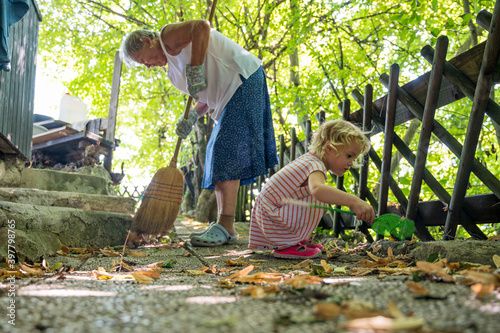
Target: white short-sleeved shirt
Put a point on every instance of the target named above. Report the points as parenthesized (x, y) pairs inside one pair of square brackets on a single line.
[(224, 62)]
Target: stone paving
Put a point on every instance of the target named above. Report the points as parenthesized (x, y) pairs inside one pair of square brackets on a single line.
[(179, 299)]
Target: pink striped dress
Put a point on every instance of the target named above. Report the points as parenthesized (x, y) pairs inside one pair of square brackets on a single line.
[(276, 226)]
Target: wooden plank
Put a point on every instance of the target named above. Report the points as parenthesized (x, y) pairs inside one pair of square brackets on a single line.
[(67, 143), (468, 63), (485, 209), (490, 180), (7, 148), (54, 134)]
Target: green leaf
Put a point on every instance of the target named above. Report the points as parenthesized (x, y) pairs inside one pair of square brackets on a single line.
[(56, 267), (169, 263), (433, 257), (405, 229)]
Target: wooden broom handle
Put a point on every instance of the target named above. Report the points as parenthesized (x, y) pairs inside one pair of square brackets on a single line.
[(173, 161)]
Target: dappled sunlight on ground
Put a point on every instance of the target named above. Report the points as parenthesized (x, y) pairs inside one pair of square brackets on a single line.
[(209, 300), (231, 253), (58, 291), (167, 288)]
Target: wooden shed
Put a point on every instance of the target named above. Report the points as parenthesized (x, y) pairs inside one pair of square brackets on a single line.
[(17, 87)]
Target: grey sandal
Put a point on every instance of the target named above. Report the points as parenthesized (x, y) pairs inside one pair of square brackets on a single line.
[(199, 233), (215, 235)]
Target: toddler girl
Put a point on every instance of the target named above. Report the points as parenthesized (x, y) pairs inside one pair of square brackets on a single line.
[(284, 228)]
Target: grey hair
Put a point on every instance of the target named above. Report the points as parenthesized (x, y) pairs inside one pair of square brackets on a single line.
[(132, 43)]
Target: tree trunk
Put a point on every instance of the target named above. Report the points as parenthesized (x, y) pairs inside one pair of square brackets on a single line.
[(204, 200), (206, 209)]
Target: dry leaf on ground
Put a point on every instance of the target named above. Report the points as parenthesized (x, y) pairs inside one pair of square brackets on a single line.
[(417, 288), (108, 253), (496, 260), (482, 289), (436, 269), (243, 272), (303, 280), (196, 272), (142, 278), (151, 274), (326, 310), (485, 278)]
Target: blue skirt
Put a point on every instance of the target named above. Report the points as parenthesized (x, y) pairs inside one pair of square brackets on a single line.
[(242, 145)]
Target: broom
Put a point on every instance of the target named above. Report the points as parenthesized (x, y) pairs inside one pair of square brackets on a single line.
[(163, 196)]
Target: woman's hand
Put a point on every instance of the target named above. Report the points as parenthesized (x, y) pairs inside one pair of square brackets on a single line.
[(185, 126)]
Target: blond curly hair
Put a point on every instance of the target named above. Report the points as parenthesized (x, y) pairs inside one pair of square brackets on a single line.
[(339, 133)]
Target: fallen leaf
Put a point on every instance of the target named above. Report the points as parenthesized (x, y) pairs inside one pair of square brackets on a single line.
[(195, 272), (485, 278), (137, 254), (374, 257), (142, 278), (436, 269), (390, 254), (482, 289), (361, 271), (31, 271), (327, 268), (108, 253), (243, 272), (394, 311), (326, 310), (496, 260), (151, 274), (260, 277), (494, 238), (417, 288), (260, 291), (303, 280), (230, 262), (302, 264)]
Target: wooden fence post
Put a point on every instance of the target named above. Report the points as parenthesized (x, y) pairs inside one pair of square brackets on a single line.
[(481, 97), (425, 132)]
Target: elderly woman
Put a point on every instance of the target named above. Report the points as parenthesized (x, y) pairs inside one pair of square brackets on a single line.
[(220, 75)]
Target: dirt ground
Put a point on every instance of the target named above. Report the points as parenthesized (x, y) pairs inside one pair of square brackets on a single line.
[(167, 287)]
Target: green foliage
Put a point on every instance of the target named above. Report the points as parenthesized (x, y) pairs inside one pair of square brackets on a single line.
[(393, 225), (340, 46)]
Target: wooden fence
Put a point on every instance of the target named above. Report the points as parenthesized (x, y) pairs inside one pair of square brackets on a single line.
[(472, 75)]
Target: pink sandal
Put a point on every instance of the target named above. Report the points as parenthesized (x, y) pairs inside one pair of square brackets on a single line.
[(308, 243), (298, 251)]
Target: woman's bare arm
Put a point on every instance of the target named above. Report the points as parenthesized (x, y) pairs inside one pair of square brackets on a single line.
[(177, 36)]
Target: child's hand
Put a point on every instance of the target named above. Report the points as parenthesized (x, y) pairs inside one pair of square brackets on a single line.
[(364, 211)]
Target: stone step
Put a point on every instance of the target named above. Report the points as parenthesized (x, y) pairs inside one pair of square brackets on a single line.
[(42, 230), (83, 201), (55, 180)]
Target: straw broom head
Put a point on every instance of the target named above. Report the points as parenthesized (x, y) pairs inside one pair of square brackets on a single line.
[(160, 203)]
